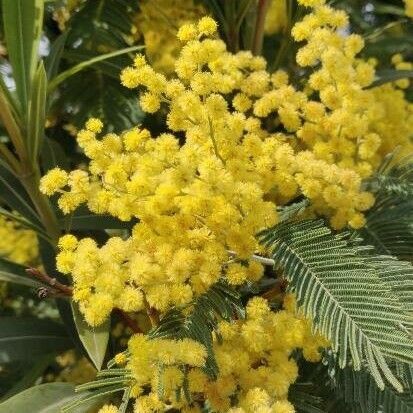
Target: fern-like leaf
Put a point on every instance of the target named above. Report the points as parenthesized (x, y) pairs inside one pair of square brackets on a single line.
[(338, 288), (389, 226), (219, 302), (358, 389)]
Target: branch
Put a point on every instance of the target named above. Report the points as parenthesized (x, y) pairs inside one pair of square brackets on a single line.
[(61, 290)]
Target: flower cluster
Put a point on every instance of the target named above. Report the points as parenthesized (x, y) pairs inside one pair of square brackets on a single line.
[(16, 243), (259, 381), (157, 22), (251, 142)]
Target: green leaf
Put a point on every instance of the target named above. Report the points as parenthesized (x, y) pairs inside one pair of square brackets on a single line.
[(81, 66), (23, 21), (53, 59), (53, 155), (31, 375), (91, 397), (83, 219), (93, 94), (37, 113), (13, 194), (390, 75), (16, 273), (24, 223), (47, 398), (339, 288), (94, 339), (358, 389), (382, 8), (26, 338), (389, 225)]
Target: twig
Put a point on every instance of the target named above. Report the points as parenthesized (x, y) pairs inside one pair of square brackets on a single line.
[(46, 279), (127, 320), (258, 258), (61, 290), (152, 313)]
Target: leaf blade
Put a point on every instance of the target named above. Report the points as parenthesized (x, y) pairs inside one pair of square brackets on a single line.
[(83, 65), (94, 340), (46, 398), (41, 336), (15, 273), (37, 112), (23, 22)]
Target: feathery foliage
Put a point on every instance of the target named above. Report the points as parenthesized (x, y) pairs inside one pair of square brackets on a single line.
[(358, 389), (219, 302), (339, 289), (389, 226)]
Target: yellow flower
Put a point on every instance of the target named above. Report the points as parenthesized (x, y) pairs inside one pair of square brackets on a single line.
[(53, 181), (207, 26), (187, 32), (94, 125)]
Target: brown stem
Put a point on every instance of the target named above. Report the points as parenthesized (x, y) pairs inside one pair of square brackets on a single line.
[(128, 320), (152, 313), (59, 289), (46, 279), (259, 27)]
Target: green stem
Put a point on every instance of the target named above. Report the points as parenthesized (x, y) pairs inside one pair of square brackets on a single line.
[(214, 142), (259, 27)]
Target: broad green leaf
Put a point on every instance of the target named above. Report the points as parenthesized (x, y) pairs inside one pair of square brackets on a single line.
[(390, 75), (37, 113), (23, 21), (47, 398), (26, 338), (15, 273), (94, 339), (75, 69)]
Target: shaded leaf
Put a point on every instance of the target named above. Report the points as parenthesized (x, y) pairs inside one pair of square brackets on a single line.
[(25, 338), (53, 155), (16, 273), (61, 77), (83, 219), (13, 194), (53, 59), (31, 375), (390, 75)]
